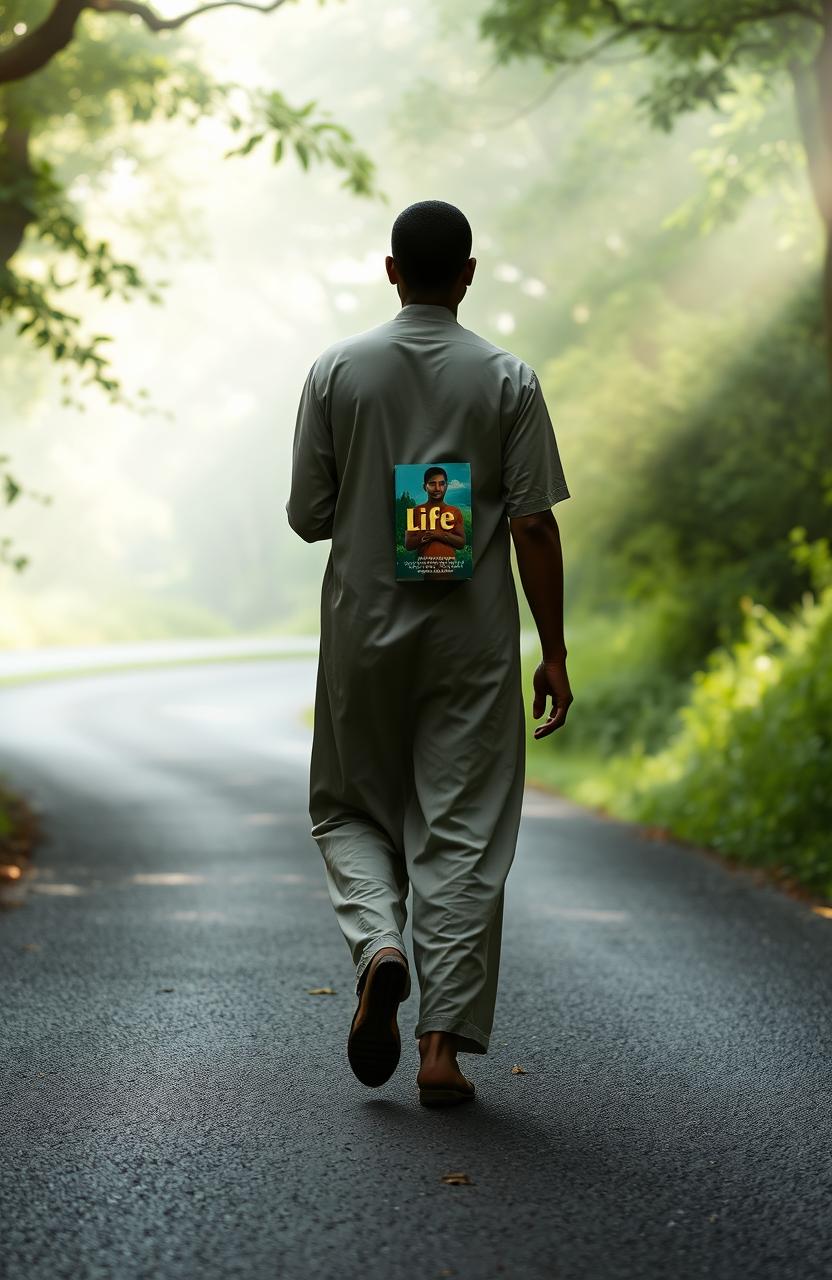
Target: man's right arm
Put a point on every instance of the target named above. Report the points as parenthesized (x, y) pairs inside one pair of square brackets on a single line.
[(537, 546)]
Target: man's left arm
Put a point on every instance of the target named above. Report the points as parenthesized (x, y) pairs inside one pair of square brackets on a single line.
[(314, 491)]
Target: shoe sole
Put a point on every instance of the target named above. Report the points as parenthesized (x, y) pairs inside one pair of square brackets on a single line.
[(435, 1096), (374, 1048)]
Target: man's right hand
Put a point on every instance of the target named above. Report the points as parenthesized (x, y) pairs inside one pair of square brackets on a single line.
[(550, 680)]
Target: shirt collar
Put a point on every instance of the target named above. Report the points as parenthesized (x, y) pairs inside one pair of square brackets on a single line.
[(425, 311)]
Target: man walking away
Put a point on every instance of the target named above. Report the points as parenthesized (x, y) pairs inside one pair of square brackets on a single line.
[(418, 755)]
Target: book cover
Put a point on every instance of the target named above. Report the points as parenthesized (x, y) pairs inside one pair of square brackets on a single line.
[(433, 521)]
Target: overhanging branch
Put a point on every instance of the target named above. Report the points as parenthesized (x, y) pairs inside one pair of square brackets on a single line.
[(37, 47), (155, 23), (624, 26), (707, 26)]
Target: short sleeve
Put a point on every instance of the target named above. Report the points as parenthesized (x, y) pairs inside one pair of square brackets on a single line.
[(533, 478), (314, 488)]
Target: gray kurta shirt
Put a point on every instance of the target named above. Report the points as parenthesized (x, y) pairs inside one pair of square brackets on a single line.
[(417, 389), (419, 739)]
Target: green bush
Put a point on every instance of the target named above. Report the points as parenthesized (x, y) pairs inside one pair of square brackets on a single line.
[(622, 672), (689, 468), (749, 769)]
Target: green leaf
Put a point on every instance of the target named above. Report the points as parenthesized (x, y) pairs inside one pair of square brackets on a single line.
[(251, 143)]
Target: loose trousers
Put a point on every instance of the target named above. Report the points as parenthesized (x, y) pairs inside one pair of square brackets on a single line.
[(421, 786)]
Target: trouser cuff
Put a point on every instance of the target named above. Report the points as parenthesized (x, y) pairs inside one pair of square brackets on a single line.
[(472, 1039), (377, 944)]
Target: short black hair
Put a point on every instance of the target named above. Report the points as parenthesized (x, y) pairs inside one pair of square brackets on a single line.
[(435, 471), (431, 243)]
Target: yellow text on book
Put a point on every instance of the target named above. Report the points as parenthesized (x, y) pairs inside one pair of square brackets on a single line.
[(429, 519)]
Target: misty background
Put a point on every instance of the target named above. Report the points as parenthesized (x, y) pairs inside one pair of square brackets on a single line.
[(162, 525), (664, 283)]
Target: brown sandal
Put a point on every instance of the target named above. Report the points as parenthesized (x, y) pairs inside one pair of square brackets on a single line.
[(445, 1095), (374, 1045)]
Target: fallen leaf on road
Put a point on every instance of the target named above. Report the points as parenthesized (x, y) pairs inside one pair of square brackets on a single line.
[(518, 1071), (159, 990), (30, 946), (456, 1179), (320, 991)]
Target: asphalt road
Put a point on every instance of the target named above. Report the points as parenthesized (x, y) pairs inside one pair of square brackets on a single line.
[(175, 1103)]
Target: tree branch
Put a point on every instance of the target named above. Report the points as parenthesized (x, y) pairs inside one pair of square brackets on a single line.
[(625, 27), (155, 23), (707, 26), (587, 55), (37, 47), (33, 50)]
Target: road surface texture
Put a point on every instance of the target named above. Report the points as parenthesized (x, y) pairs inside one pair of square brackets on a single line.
[(175, 1104)]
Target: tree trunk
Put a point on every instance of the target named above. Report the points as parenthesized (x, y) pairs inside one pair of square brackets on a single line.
[(826, 284), (15, 171), (813, 101)]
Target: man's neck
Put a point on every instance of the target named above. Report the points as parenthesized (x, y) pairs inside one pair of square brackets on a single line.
[(431, 302)]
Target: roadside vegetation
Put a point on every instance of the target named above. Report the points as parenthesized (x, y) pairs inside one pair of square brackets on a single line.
[(19, 834)]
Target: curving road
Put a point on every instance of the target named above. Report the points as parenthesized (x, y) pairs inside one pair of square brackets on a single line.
[(174, 1103)]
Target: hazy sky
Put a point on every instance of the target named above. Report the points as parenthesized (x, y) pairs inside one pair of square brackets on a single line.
[(268, 265)]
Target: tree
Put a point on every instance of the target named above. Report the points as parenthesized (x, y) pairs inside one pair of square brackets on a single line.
[(704, 53), (95, 64)]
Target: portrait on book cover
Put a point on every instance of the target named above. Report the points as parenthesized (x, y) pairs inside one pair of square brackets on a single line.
[(433, 536)]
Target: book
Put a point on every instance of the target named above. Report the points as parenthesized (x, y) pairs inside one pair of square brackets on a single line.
[(433, 535)]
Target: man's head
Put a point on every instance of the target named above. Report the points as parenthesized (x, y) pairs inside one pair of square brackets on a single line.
[(431, 243), (435, 483)]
